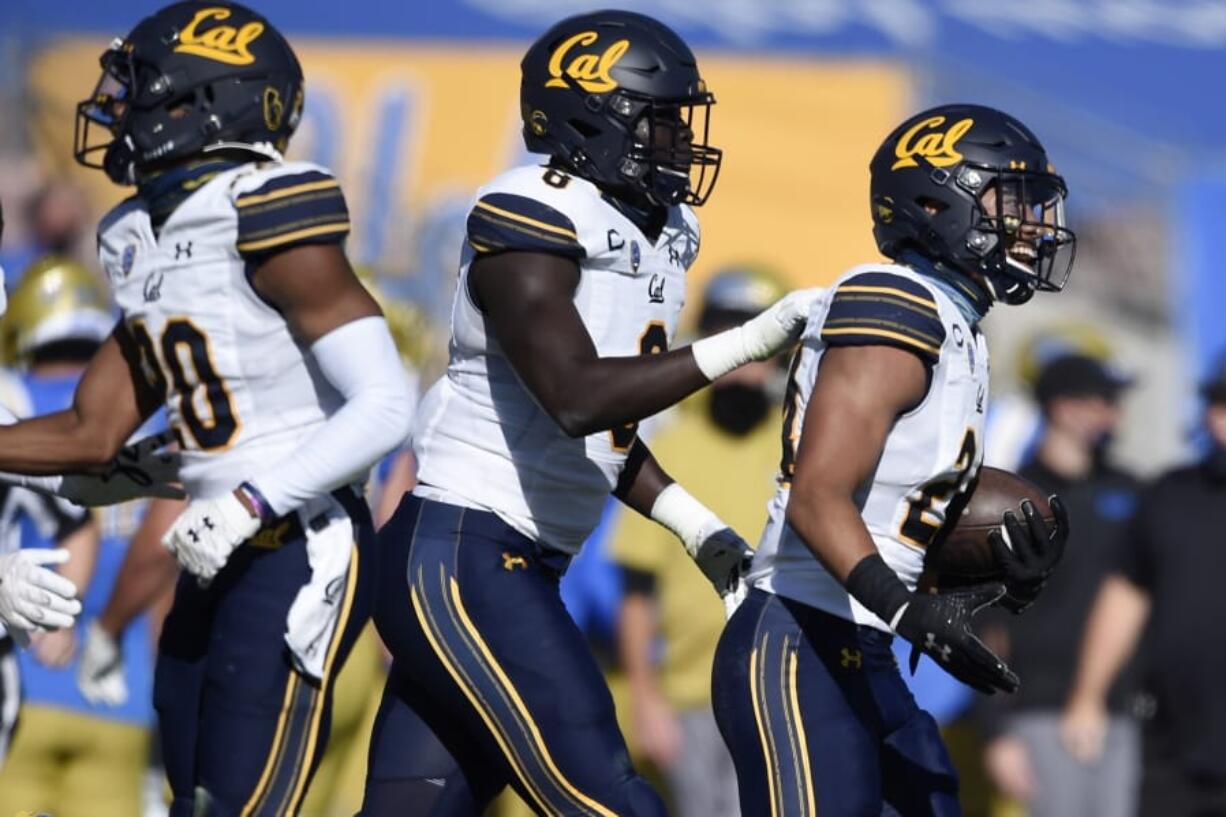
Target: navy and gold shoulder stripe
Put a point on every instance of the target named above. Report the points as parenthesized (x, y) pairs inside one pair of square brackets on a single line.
[(505, 221), (299, 208), (884, 308)]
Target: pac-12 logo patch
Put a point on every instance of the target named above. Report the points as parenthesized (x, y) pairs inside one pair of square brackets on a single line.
[(127, 260), (635, 256)]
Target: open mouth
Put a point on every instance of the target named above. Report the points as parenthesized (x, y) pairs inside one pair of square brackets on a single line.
[(1024, 254)]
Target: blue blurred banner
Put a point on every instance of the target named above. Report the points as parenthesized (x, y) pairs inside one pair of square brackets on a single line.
[(1135, 65)]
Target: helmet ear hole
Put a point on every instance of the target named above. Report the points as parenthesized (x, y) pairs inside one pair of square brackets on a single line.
[(931, 206), (585, 129)]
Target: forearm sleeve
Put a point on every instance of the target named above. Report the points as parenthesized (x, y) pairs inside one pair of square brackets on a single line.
[(360, 361)]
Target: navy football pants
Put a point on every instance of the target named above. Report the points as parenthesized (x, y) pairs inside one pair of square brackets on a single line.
[(242, 730), (492, 683), (819, 721)]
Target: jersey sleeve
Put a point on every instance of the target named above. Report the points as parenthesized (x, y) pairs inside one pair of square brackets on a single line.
[(884, 308), (499, 222), (290, 210)]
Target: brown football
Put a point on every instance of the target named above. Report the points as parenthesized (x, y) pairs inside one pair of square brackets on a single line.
[(965, 556)]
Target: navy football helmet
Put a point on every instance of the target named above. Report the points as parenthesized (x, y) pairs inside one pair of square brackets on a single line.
[(189, 79), (616, 98), (971, 187)]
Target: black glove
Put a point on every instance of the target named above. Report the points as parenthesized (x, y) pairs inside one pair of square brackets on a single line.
[(1036, 551), (724, 557), (939, 625)]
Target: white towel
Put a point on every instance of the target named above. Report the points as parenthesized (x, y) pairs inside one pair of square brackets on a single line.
[(316, 610)]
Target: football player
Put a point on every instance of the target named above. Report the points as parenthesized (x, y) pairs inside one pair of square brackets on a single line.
[(571, 282), (882, 441), (241, 313)]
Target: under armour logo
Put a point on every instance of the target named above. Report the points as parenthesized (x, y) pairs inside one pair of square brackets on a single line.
[(655, 289), (195, 536), (510, 562), (208, 523), (674, 257), (942, 651), (851, 658), (183, 249)]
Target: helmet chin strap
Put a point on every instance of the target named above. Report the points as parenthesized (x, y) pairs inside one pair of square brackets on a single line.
[(264, 149)]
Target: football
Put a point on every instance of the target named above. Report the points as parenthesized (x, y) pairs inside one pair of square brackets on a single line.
[(965, 555)]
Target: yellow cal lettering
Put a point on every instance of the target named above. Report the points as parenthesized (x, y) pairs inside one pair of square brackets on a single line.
[(221, 43), (938, 148), (591, 71)]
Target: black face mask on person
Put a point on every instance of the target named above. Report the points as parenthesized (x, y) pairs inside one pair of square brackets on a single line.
[(737, 409)]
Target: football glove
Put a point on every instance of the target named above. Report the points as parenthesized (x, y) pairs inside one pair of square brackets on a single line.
[(724, 557), (1028, 554), (207, 532), (939, 626), (142, 469), (759, 338), (33, 597), (100, 675)]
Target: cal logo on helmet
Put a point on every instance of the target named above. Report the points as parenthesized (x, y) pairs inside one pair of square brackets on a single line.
[(222, 43), (937, 146), (590, 70)]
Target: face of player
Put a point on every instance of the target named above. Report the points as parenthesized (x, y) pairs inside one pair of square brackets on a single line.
[(1028, 212)]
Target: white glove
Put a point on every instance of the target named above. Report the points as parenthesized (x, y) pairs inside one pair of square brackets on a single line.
[(759, 338), (33, 597), (144, 468), (207, 532), (100, 675)]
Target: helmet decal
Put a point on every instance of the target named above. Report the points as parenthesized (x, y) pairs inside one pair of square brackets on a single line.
[(222, 43), (274, 108), (939, 148), (591, 71)]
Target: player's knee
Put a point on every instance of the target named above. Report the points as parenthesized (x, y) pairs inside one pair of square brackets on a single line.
[(422, 797)]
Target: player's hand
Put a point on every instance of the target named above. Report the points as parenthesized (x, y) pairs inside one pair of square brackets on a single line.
[(1029, 553), (207, 532), (33, 597), (724, 557), (780, 325), (100, 675), (1007, 762), (1083, 729), (939, 626), (657, 730), (145, 468)]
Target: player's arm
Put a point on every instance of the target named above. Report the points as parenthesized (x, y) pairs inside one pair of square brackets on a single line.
[(147, 572), (721, 554), (108, 406), (528, 300), (859, 393)]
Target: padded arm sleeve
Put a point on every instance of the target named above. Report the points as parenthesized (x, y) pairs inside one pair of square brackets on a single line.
[(360, 361)]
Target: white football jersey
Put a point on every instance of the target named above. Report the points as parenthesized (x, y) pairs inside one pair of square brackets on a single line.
[(241, 392), (480, 438), (931, 454)]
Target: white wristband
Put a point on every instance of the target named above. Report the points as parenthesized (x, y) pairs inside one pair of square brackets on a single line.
[(720, 353), (685, 516)]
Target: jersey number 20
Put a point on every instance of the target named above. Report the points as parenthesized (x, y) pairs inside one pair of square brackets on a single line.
[(185, 353)]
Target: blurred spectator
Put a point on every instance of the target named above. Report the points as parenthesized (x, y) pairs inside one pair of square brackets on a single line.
[(1170, 578), (57, 222), (1078, 396), (724, 446)]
